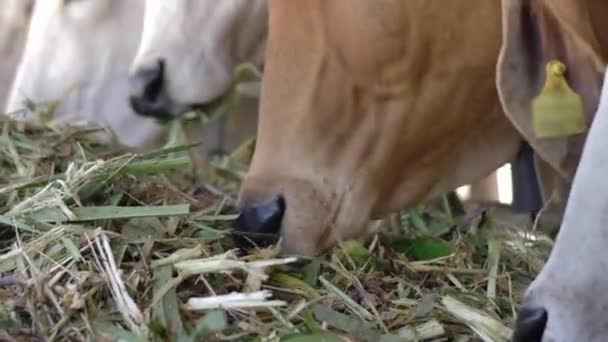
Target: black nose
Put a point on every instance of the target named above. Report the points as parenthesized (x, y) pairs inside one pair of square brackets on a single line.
[(530, 324), (259, 224), (147, 95)]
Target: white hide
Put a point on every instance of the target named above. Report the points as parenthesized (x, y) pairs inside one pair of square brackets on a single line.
[(79, 52), (200, 43), (573, 284), (14, 19)]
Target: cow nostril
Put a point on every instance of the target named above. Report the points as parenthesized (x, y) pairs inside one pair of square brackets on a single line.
[(531, 323), (146, 85), (261, 222)]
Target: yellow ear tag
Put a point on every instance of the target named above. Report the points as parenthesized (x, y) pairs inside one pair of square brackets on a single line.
[(557, 111)]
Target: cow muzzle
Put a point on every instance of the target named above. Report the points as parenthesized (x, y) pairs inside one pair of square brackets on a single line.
[(259, 224), (531, 323), (147, 94)]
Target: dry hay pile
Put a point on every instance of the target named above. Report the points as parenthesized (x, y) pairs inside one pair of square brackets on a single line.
[(102, 244)]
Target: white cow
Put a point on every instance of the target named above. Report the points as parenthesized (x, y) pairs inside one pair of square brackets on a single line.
[(14, 20), (568, 300), (189, 49), (79, 52)]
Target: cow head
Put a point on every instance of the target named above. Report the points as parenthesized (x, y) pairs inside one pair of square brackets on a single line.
[(567, 300), (368, 107), (189, 50), (78, 53)]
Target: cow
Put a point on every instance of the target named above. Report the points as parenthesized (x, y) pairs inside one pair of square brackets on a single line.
[(228, 33), (359, 120), (14, 20), (79, 53), (369, 107), (566, 301)]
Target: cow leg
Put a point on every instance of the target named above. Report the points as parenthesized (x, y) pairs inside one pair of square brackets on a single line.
[(527, 198), (455, 204), (219, 147), (555, 191), (486, 190)]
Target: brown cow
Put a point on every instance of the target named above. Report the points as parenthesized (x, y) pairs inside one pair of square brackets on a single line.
[(368, 107)]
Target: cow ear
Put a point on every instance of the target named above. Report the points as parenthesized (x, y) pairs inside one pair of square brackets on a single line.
[(533, 34)]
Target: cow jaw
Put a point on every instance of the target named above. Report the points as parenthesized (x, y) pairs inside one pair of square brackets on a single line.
[(359, 117)]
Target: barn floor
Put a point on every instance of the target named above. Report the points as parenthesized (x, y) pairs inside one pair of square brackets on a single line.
[(100, 244)]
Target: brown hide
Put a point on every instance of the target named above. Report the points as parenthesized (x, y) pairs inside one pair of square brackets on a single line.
[(368, 107), (485, 190)]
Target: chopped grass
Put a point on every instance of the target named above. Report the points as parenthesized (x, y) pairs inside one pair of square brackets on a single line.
[(99, 243)]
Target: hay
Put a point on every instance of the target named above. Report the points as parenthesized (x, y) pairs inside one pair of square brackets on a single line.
[(99, 243)]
